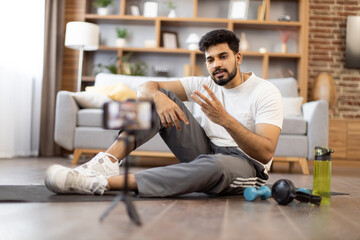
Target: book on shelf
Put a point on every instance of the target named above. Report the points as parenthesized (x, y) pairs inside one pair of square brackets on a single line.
[(261, 11)]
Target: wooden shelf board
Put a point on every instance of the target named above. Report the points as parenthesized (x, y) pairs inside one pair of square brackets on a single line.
[(187, 51), (284, 55), (156, 50), (267, 23), (194, 20)]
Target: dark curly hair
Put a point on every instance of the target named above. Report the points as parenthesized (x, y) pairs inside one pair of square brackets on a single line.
[(218, 36)]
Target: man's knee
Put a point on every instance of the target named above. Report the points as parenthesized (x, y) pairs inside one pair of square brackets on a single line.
[(213, 163)]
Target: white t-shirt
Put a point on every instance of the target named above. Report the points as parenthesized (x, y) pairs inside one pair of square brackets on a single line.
[(253, 102)]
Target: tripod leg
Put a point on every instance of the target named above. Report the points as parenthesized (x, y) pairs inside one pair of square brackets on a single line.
[(131, 210), (123, 196), (117, 199)]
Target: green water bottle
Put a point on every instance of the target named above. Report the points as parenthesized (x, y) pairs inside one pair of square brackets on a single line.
[(322, 174)]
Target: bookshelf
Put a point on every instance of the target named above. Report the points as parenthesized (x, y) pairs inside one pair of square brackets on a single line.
[(201, 16)]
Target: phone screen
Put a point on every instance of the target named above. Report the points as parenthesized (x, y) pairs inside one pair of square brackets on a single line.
[(129, 115)]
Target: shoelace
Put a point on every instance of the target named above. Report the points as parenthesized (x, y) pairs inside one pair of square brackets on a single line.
[(86, 183), (99, 156)]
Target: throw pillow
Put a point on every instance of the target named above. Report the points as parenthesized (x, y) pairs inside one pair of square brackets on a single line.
[(91, 99), (117, 92), (292, 106), (122, 92)]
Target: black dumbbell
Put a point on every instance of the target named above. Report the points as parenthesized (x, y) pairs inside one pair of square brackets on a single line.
[(284, 192)]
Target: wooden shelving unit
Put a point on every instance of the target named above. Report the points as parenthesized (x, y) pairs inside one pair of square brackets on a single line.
[(160, 23)]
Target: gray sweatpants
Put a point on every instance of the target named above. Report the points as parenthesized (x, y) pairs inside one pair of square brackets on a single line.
[(204, 167)]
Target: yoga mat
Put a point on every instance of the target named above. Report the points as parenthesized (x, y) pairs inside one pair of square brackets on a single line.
[(39, 193)]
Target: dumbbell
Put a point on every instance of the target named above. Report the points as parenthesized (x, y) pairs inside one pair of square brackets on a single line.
[(252, 193), (284, 192)]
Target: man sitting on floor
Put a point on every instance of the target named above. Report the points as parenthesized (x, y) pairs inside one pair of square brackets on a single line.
[(228, 149)]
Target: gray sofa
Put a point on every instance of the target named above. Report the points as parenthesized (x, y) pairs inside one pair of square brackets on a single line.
[(80, 129)]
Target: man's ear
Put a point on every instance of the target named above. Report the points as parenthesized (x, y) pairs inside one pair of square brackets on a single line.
[(239, 58)]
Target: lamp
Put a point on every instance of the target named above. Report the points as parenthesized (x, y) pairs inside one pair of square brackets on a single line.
[(193, 40), (82, 36)]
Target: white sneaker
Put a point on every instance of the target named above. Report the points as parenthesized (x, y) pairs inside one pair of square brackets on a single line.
[(59, 179), (102, 164)]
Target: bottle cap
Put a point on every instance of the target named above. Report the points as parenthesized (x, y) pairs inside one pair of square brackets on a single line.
[(323, 153)]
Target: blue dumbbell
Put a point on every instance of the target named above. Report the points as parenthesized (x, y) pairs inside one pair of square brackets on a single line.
[(304, 190), (252, 193)]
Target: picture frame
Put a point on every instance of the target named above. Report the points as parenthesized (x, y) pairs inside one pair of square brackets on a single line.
[(151, 9), (135, 10), (169, 40), (238, 9)]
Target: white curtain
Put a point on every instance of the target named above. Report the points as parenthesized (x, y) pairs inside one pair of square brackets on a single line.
[(21, 67)]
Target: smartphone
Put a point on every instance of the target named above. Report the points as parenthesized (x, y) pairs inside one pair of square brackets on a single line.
[(128, 115)]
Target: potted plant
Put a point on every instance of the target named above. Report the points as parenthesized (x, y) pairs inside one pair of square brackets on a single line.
[(121, 37), (172, 6), (102, 6), (132, 68), (138, 68)]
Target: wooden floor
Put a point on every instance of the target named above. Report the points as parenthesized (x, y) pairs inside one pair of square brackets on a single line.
[(200, 218)]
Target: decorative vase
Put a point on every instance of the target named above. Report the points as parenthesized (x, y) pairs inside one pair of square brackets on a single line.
[(120, 42), (324, 88), (102, 11), (172, 13), (284, 48), (244, 44)]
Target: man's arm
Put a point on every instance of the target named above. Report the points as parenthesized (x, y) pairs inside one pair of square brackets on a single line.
[(169, 112), (260, 145)]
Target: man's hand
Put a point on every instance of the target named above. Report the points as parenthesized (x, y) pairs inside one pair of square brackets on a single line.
[(169, 112), (212, 108), (265, 136)]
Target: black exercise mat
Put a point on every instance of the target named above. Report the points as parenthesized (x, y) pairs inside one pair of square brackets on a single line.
[(39, 193)]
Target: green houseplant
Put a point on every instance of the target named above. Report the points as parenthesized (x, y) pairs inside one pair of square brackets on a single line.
[(132, 68), (102, 6), (172, 6), (121, 37)]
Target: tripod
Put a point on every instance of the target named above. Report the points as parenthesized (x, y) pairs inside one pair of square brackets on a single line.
[(124, 195)]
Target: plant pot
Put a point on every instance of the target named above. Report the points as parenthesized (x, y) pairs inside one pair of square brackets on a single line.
[(172, 13), (120, 42), (102, 11)]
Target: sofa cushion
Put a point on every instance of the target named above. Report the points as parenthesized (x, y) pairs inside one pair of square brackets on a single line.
[(117, 92), (94, 137), (292, 146), (98, 138), (106, 79), (294, 126), (90, 117), (287, 86), (292, 106), (90, 100)]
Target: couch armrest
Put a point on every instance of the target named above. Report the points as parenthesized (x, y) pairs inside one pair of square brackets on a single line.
[(65, 119), (316, 114)]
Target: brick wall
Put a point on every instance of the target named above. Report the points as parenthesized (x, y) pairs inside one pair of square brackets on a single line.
[(327, 34)]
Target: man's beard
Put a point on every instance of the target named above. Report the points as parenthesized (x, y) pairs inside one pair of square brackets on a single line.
[(224, 81)]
